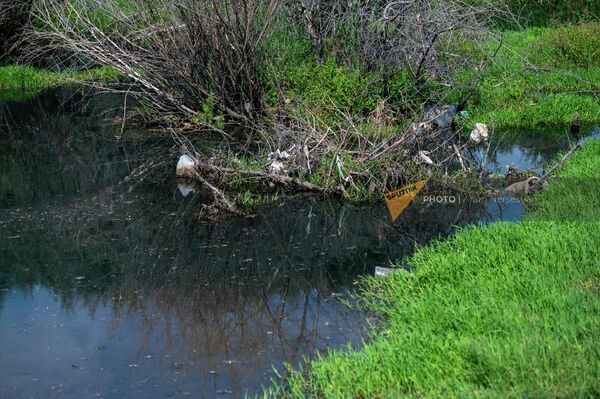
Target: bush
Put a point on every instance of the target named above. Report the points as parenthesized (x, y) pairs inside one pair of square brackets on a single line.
[(181, 54), (331, 87), (406, 93)]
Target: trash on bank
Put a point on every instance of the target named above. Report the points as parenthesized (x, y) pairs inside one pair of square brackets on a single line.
[(387, 271), (186, 166), (479, 132)]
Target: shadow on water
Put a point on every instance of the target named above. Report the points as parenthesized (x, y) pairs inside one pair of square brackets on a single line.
[(114, 288)]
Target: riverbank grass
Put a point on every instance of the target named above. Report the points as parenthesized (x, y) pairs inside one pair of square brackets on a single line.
[(19, 82), (507, 310), (542, 77)]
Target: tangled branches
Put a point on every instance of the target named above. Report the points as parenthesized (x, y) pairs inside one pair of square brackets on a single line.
[(422, 35), (341, 160), (433, 40), (14, 15), (207, 62), (185, 54), (180, 54)]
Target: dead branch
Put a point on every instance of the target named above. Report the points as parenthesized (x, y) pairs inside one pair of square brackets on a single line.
[(568, 155), (281, 180), (181, 54), (460, 157), (220, 200)]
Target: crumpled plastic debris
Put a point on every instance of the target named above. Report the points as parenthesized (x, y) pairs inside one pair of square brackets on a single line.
[(480, 132)]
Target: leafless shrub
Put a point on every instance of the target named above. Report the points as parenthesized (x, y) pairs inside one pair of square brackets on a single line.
[(410, 33), (433, 40), (180, 54)]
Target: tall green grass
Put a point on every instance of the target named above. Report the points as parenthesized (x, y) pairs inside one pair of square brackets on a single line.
[(504, 311), (574, 194), (541, 77)]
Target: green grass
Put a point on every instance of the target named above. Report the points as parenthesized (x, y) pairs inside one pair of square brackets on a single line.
[(18, 82), (574, 195), (575, 46), (531, 86), (507, 310), (540, 77)]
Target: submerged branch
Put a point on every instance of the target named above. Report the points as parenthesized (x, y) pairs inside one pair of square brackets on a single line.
[(287, 182)]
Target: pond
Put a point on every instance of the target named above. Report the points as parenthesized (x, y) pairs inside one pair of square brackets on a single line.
[(112, 287)]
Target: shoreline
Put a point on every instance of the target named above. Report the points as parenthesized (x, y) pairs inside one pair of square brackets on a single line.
[(505, 310)]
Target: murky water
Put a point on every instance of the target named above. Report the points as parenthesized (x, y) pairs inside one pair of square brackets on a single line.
[(113, 288)]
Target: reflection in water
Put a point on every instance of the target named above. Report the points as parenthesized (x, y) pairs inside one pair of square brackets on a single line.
[(112, 287), (514, 154)]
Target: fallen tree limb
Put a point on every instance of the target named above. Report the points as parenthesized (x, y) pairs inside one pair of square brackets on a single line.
[(281, 180), (459, 156), (219, 197), (559, 163)]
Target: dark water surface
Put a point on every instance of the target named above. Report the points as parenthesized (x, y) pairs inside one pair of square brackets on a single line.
[(113, 288)]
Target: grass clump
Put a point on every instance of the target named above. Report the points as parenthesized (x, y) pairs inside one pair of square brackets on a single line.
[(573, 196), (208, 115), (500, 311)]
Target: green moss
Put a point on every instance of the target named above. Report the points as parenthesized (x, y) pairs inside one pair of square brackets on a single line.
[(507, 310)]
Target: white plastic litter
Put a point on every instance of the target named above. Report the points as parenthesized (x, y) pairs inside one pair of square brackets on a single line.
[(480, 132), (424, 158), (185, 190), (185, 166), (386, 271), (276, 168)]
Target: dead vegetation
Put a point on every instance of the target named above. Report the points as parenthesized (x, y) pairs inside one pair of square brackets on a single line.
[(205, 65), (179, 54), (342, 161)]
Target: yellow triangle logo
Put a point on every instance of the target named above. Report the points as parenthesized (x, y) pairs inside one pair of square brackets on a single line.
[(398, 200)]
